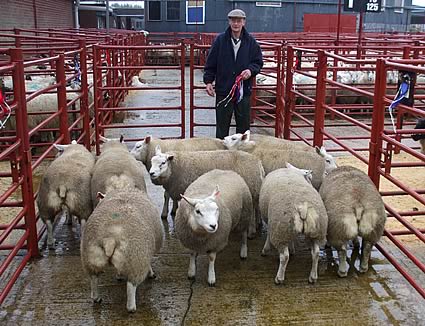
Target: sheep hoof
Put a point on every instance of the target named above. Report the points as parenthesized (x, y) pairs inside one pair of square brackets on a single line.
[(131, 309), (263, 253), (252, 236), (211, 285), (277, 281), (312, 280), (191, 277), (363, 269), (97, 300), (119, 278), (51, 246), (342, 274), (243, 257)]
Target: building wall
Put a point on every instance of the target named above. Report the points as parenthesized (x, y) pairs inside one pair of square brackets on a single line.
[(275, 19), (36, 13)]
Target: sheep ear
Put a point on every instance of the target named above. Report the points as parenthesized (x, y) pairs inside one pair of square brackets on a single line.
[(100, 195), (158, 150), (60, 148), (246, 135), (148, 139), (289, 166), (321, 151), (190, 201), (216, 192), (122, 139), (170, 157)]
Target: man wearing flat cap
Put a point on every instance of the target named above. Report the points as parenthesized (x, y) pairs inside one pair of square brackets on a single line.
[(233, 61)]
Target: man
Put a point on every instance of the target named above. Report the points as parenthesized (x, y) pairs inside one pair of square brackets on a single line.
[(234, 53)]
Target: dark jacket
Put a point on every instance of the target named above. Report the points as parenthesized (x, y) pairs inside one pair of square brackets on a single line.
[(222, 67)]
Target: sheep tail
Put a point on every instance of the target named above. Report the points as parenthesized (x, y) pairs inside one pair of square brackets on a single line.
[(305, 220), (62, 192), (109, 245), (358, 212)]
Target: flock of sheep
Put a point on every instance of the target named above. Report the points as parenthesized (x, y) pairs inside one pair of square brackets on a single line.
[(218, 187)]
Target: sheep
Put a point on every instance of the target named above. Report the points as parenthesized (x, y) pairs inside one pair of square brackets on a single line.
[(420, 137), (355, 208), (115, 166), (66, 186), (295, 209), (249, 142), (144, 150), (125, 231), (215, 204), (175, 171), (275, 156)]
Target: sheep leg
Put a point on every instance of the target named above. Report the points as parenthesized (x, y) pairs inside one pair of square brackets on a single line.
[(164, 213), (343, 266), (131, 297), (50, 239), (68, 216), (292, 247), (284, 258), (175, 206), (364, 261), (244, 245), (267, 245), (356, 243), (211, 270), (192, 266), (82, 225), (315, 260), (94, 280)]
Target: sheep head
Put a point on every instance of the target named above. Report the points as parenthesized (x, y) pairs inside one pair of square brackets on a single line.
[(204, 213), (160, 169)]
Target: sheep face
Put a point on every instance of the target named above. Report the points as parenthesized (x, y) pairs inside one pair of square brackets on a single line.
[(330, 163), (160, 167), (140, 149), (234, 142), (204, 213)]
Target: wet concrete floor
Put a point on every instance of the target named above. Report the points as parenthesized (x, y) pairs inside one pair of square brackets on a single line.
[(53, 289)]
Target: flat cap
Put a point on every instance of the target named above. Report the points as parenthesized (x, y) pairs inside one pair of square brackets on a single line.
[(236, 13)]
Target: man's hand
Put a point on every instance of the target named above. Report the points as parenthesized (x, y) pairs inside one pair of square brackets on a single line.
[(210, 90), (246, 74)]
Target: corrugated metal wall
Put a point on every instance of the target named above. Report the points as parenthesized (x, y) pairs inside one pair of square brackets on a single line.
[(36, 13), (274, 19)]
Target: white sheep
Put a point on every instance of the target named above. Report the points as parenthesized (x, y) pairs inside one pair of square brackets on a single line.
[(275, 154), (115, 168), (125, 231), (216, 204), (355, 208), (296, 208), (66, 187), (175, 171), (144, 150)]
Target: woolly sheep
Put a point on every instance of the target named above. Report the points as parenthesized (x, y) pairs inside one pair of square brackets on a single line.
[(114, 168), (320, 162), (144, 150), (125, 231), (292, 207), (355, 208), (248, 142), (66, 186), (215, 204), (175, 171)]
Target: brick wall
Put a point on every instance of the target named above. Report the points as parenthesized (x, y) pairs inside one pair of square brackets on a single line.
[(49, 13)]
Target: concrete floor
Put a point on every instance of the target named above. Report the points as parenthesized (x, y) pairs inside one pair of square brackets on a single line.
[(53, 290)]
